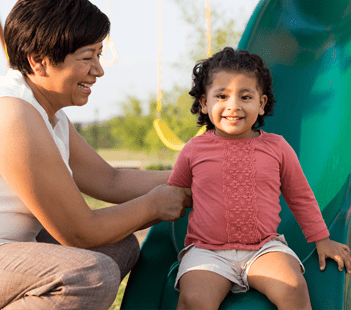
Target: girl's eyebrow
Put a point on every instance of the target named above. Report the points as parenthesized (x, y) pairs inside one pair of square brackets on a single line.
[(241, 90), (246, 90), (220, 89)]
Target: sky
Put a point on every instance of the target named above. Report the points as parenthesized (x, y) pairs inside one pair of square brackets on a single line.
[(134, 32)]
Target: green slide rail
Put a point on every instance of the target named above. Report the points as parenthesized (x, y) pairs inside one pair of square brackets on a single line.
[(307, 45)]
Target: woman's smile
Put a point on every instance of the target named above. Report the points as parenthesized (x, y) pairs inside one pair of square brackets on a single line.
[(86, 87)]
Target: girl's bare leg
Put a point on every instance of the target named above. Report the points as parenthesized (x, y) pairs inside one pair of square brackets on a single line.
[(278, 276), (202, 289)]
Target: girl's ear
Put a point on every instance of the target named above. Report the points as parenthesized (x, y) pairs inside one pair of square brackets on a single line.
[(203, 103), (37, 63), (263, 102)]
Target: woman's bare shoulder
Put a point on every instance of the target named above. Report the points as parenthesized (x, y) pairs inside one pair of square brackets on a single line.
[(19, 113), (22, 130)]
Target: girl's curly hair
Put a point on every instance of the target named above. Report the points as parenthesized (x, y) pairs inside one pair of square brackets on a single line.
[(230, 60)]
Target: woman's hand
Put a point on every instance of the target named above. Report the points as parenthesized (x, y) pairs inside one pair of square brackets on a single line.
[(327, 248), (169, 202)]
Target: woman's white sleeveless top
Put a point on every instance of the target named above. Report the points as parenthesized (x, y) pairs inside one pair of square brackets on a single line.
[(17, 223)]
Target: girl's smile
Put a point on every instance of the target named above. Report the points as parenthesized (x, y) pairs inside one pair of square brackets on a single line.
[(233, 102), (233, 118)]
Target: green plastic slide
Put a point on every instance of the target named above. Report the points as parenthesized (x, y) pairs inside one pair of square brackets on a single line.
[(307, 45)]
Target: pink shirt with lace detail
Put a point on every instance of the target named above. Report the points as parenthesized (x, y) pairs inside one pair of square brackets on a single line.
[(236, 187)]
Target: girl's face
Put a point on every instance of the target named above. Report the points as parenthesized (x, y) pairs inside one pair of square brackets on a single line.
[(233, 103)]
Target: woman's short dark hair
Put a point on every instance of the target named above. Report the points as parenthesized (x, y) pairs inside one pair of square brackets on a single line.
[(230, 60), (53, 29)]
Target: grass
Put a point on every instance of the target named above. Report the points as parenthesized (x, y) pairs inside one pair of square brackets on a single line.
[(165, 157), (117, 304)]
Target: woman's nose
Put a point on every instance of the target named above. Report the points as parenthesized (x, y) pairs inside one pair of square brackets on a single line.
[(97, 69)]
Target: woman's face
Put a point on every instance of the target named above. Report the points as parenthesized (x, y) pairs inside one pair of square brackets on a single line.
[(69, 83)]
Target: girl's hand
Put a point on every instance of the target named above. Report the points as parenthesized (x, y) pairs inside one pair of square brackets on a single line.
[(327, 248)]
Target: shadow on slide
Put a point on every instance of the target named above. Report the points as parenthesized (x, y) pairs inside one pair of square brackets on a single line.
[(307, 45)]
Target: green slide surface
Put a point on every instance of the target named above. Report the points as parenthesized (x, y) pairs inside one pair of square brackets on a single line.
[(307, 45)]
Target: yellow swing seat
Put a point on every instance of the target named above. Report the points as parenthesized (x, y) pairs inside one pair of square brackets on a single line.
[(168, 137)]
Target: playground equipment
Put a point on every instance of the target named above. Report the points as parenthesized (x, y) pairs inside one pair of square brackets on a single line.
[(166, 135), (307, 45), (109, 44), (3, 44)]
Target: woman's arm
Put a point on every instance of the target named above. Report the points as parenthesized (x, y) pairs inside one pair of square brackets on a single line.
[(32, 165), (96, 178)]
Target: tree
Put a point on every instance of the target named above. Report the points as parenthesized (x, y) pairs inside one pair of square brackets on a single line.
[(98, 135), (130, 130), (176, 113), (223, 32)]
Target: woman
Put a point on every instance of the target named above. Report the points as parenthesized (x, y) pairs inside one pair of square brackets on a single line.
[(54, 49)]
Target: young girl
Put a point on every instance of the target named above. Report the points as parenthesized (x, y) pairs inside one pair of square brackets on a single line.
[(236, 172)]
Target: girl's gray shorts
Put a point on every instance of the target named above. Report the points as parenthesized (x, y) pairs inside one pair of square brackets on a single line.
[(231, 264)]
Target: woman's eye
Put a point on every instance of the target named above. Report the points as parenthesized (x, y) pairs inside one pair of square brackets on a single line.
[(91, 57)]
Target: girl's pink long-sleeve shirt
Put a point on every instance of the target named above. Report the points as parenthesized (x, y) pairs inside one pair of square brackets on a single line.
[(236, 184)]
